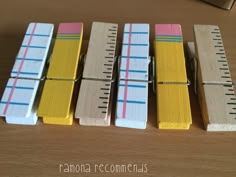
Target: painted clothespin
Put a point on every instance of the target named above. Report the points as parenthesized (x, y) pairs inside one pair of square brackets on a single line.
[(56, 102), (132, 99), (215, 87), (173, 105), (19, 102), (95, 95)]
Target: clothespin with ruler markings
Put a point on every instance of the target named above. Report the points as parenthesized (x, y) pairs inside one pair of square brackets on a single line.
[(19, 102), (173, 105), (132, 99), (214, 84), (95, 95), (56, 102)]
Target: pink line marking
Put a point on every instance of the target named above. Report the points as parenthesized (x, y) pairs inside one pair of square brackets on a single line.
[(70, 28), (168, 29), (19, 70), (127, 73)]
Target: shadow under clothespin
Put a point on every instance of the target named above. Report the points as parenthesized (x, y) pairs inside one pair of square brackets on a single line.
[(152, 76), (193, 61), (82, 59), (224, 4)]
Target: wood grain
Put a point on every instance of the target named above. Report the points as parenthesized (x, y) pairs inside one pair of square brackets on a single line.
[(38, 151), (218, 104), (216, 92), (101, 51), (213, 64), (93, 103)]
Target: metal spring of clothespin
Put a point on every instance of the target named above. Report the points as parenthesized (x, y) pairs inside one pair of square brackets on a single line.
[(82, 58), (153, 77), (194, 65)]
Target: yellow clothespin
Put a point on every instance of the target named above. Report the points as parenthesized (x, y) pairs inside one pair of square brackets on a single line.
[(55, 105), (173, 105)]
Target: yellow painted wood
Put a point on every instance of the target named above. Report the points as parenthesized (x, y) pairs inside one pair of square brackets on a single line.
[(55, 104), (170, 62), (54, 120), (65, 57), (173, 106)]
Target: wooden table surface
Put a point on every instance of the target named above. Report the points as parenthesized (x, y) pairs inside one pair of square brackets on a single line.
[(40, 150)]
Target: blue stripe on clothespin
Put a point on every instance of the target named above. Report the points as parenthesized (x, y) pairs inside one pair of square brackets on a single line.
[(30, 59), (135, 44), (135, 86), (30, 46), (29, 73), (40, 35), (19, 87), (135, 57), (127, 32), (132, 101), (133, 71), (14, 103)]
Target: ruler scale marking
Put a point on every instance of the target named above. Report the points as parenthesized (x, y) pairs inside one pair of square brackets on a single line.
[(215, 88), (95, 90)]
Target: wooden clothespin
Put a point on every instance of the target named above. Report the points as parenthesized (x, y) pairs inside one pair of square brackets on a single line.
[(215, 87), (95, 95), (173, 105), (132, 99), (55, 105), (19, 102)]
